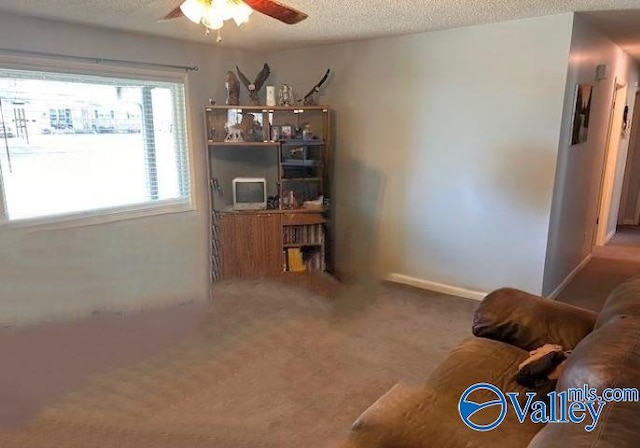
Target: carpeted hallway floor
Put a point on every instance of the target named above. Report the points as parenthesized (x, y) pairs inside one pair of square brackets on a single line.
[(590, 288), (611, 265)]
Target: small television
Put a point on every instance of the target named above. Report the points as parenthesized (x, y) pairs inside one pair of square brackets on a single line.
[(249, 193)]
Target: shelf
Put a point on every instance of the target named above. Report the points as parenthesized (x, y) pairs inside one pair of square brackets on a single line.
[(302, 219), (295, 245), (302, 179), (265, 144), (290, 211), (267, 109), (303, 163), (259, 243), (302, 142)]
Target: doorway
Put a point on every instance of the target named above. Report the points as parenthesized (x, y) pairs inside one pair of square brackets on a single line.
[(607, 220)]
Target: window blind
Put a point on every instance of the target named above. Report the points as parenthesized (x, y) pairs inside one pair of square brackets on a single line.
[(75, 143)]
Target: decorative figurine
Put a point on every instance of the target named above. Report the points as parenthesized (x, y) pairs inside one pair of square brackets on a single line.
[(285, 96), (309, 97), (235, 134), (255, 86), (233, 89), (245, 131)]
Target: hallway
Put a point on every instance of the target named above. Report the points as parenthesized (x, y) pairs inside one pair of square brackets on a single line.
[(611, 265), (625, 245)]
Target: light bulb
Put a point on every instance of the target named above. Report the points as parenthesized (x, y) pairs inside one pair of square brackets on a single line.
[(224, 9), (194, 10), (212, 21), (242, 13)]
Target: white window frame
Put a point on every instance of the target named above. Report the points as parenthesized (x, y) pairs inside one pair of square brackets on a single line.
[(120, 213)]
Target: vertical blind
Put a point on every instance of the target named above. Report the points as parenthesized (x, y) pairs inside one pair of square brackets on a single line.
[(75, 143)]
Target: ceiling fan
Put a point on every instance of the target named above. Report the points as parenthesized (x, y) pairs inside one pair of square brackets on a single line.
[(213, 13)]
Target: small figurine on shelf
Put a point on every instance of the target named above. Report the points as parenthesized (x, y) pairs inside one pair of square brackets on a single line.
[(272, 202), (248, 130), (255, 86), (289, 200), (309, 99), (285, 96), (307, 133), (292, 200), (235, 134), (233, 89)]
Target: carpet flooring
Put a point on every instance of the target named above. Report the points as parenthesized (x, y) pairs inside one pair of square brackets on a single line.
[(281, 363), (591, 286), (611, 265), (270, 364)]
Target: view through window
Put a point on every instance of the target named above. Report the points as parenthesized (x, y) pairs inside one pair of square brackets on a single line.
[(76, 143)]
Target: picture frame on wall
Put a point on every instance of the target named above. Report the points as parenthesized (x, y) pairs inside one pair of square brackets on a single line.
[(581, 113)]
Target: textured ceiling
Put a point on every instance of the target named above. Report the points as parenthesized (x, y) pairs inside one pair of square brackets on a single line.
[(623, 27), (329, 21)]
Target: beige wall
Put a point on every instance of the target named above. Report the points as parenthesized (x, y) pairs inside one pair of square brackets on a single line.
[(579, 169), (58, 273), (447, 145), (446, 148)]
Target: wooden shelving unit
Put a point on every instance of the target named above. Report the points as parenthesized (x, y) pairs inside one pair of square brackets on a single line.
[(285, 237)]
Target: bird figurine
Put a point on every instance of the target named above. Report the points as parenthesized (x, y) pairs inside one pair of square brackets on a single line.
[(309, 97), (233, 89), (255, 86)]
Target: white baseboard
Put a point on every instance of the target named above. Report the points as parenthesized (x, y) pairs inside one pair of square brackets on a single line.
[(570, 277), (609, 236), (437, 287)]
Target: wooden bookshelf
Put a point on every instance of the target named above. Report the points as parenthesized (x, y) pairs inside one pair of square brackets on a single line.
[(289, 237)]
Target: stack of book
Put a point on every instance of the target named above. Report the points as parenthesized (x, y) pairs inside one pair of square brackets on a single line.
[(295, 263)]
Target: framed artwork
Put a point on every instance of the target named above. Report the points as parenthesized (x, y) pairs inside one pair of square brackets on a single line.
[(581, 113), (286, 132)]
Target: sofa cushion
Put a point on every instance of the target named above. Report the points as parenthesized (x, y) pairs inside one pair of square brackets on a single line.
[(608, 357), (623, 301), (620, 430), (528, 321), (427, 416)]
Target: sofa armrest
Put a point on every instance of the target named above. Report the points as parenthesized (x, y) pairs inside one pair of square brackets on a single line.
[(528, 321)]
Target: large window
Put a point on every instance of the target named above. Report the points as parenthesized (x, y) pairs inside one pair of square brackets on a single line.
[(78, 143)]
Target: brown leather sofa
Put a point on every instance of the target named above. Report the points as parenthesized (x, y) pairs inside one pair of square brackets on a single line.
[(507, 324)]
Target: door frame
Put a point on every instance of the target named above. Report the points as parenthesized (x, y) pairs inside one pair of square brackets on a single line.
[(610, 162)]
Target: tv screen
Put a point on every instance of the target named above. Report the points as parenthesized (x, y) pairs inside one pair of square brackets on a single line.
[(249, 192)]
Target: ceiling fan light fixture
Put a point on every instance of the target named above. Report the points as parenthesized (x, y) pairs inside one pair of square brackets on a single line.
[(195, 10), (213, 13), (213, 22), (243, 11)]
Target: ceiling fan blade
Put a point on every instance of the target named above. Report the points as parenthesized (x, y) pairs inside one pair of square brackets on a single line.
[(174, 14), (277, 10)]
